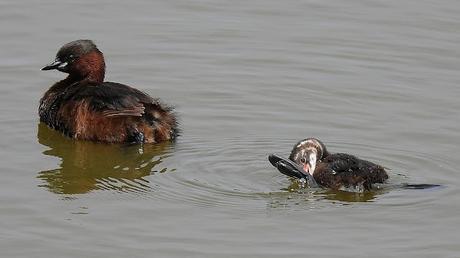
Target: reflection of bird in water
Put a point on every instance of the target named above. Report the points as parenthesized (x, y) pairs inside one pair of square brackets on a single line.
[(88, 166), (328, 194)]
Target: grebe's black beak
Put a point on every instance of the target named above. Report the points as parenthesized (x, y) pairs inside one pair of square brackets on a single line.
[(291, 169), (57, 64)]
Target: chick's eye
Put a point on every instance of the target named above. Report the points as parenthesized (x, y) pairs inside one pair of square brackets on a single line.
[(303, 160)]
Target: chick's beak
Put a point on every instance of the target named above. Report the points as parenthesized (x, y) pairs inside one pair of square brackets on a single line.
[(310, 165), (291, 169), (306, 167)]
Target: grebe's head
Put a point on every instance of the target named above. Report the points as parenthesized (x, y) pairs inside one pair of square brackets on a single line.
[(307, 152), (81, 59)]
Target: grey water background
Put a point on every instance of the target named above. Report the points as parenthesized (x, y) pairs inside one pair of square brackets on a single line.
[(379, 79)]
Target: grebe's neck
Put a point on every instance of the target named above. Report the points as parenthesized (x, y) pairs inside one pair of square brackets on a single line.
[(89, 67)]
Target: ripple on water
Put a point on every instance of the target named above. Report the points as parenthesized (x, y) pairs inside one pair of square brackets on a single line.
[(228, 172), (234, 172)]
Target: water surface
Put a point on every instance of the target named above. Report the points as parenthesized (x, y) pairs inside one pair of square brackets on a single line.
[(378, 79)]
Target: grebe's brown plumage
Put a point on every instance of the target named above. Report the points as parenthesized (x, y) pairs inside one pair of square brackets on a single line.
[(85, 107), (335, 171)]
